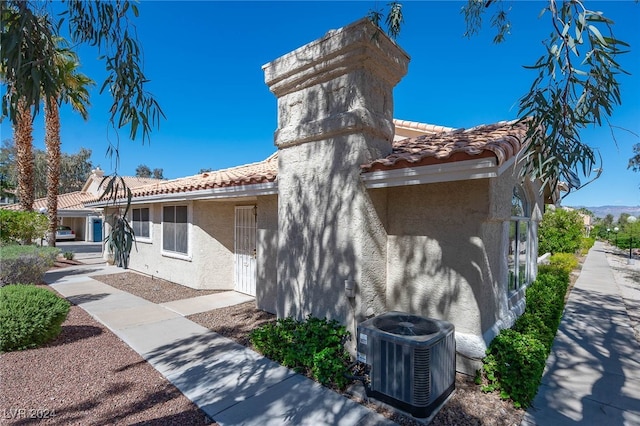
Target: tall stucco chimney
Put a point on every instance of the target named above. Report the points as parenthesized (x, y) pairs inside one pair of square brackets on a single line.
[(335, 113), (338, 85), (98, 172)]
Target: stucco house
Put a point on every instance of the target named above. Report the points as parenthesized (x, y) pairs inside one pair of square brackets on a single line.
[(86, 222), (421, 218)]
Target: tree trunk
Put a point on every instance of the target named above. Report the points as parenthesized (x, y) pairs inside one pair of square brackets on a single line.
[(52, 143), (23, 134)]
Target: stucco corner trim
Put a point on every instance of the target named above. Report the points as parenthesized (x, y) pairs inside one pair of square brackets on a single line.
[(475, 346), (471, 345)]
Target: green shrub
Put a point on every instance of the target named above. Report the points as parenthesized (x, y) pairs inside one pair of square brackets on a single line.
[(545, 303), (514, 366), (69, 255), (560, 273), (314, 347), (586, 244), (19, 226), (29, 316), (565, 261), (560, 231), (515, 359), (25, 264)]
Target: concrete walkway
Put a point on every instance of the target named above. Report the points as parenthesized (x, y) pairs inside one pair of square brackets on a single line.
[(593, 374), (233, 385)]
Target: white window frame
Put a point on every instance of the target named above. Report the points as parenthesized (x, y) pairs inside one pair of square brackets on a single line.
[(175, 254), (520, 284), (140, 238)]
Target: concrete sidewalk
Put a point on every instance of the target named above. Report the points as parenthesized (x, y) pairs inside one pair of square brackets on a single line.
[(593, 374), (232, 384)]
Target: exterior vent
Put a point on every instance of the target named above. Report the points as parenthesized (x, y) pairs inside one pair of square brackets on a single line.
[(411, 360)]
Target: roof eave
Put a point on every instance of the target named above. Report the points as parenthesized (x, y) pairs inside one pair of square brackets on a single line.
[(236, 191), (78, 212), (480, 168)]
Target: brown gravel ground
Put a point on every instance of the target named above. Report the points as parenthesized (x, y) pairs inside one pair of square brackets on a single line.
[(153, 289), (88, 376)]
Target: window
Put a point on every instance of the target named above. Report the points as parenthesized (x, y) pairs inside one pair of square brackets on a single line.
[(519, 248), (140, 223), (175, 230)]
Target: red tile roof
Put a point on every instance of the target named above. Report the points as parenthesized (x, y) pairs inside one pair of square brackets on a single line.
[(441, 145), (501, 140), (76, 200), (261, 172)]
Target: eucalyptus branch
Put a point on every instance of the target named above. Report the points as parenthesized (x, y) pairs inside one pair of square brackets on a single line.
[(563, 103)]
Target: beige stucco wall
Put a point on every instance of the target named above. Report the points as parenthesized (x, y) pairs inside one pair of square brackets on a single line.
[(447, 248), (317, 207), (437, 260), (211, 243), (267, 253)]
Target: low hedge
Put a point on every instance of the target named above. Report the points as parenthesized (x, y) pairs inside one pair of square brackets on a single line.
[(25, 264), (564, 261), (516, 357), (586, 244), (314, 347), (514, 366), (29, 316)]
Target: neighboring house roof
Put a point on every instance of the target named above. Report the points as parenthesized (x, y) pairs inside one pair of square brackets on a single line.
[(94, 183), (501, 140), (77, 200), (70, 201), (135, 181)]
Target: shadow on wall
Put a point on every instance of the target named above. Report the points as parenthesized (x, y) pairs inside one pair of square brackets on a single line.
[(316, 249), (438, 261), (320, 195), (335, 108)]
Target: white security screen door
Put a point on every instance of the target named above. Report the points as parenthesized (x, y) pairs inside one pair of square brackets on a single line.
[(245, 250)]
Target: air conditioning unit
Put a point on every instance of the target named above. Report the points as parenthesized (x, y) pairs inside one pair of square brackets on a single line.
[(411, 360)]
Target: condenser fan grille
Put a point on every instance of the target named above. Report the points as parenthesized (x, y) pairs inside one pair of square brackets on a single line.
[(406, 325)]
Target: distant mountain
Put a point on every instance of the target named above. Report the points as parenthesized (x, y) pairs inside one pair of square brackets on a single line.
[(602, 211)]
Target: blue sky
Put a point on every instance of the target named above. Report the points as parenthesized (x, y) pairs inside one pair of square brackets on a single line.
[(204, 60)]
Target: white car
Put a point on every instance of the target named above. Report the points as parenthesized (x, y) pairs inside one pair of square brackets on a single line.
[(65, 233)]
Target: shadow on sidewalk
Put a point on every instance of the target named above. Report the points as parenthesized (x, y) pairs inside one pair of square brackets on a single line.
[(593, 363), (220, 375), (80, 299), (57, 274)]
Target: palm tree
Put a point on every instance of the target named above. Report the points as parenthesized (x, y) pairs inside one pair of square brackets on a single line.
[(23, 135), (74, 90)]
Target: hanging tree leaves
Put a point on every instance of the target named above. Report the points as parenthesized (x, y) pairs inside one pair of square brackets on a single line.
[(576, 84), (28, 52)]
